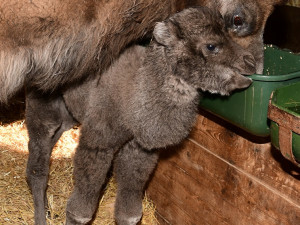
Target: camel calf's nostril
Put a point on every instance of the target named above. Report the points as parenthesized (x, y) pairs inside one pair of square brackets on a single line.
[(250, 62)]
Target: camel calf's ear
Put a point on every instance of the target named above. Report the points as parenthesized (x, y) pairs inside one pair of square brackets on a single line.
[(162, 33)]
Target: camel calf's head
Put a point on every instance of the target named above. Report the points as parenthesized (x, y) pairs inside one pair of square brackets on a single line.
[(200, 51)]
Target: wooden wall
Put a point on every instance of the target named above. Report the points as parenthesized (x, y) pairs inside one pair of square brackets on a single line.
[(221, 175)]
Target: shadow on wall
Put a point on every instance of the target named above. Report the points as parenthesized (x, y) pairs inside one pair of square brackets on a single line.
[(282, 28), (14, 111)]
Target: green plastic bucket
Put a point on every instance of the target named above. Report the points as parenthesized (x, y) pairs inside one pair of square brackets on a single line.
[(286, 101), (248, 108)]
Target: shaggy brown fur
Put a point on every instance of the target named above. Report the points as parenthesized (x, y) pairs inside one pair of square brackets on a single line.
[(50, 43), (146, 101)]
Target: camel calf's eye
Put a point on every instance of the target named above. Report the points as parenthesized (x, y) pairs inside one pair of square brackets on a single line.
[(237, 20), (211, 47)]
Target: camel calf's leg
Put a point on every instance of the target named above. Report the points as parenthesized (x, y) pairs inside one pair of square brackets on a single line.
[(133, 167)]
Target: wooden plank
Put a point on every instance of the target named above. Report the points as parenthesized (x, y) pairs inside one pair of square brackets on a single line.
[(283, 118), (202, 185), (197, 202), (288, 124), (169, 209), (252, 154)]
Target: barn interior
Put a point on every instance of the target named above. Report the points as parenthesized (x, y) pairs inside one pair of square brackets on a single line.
[(221, 174)]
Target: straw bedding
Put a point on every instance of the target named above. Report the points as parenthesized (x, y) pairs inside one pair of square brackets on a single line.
[(16, 205)]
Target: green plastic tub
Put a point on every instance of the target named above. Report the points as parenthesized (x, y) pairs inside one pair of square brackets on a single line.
[(286, 102), (248, 108)]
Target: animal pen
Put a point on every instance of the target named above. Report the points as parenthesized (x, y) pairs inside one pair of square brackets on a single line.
[(220, 174)]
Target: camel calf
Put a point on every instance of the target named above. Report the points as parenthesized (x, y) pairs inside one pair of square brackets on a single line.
[(147, 100)]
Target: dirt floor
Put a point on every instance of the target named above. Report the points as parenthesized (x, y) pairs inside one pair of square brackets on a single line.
[(16, 206)]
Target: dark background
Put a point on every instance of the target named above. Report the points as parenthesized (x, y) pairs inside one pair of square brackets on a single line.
[(283, 28)]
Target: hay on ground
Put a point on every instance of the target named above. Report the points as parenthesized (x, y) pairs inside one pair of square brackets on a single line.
[(16, 205)]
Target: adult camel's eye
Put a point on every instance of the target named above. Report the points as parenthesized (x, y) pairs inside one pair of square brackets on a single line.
[(237, 21)]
